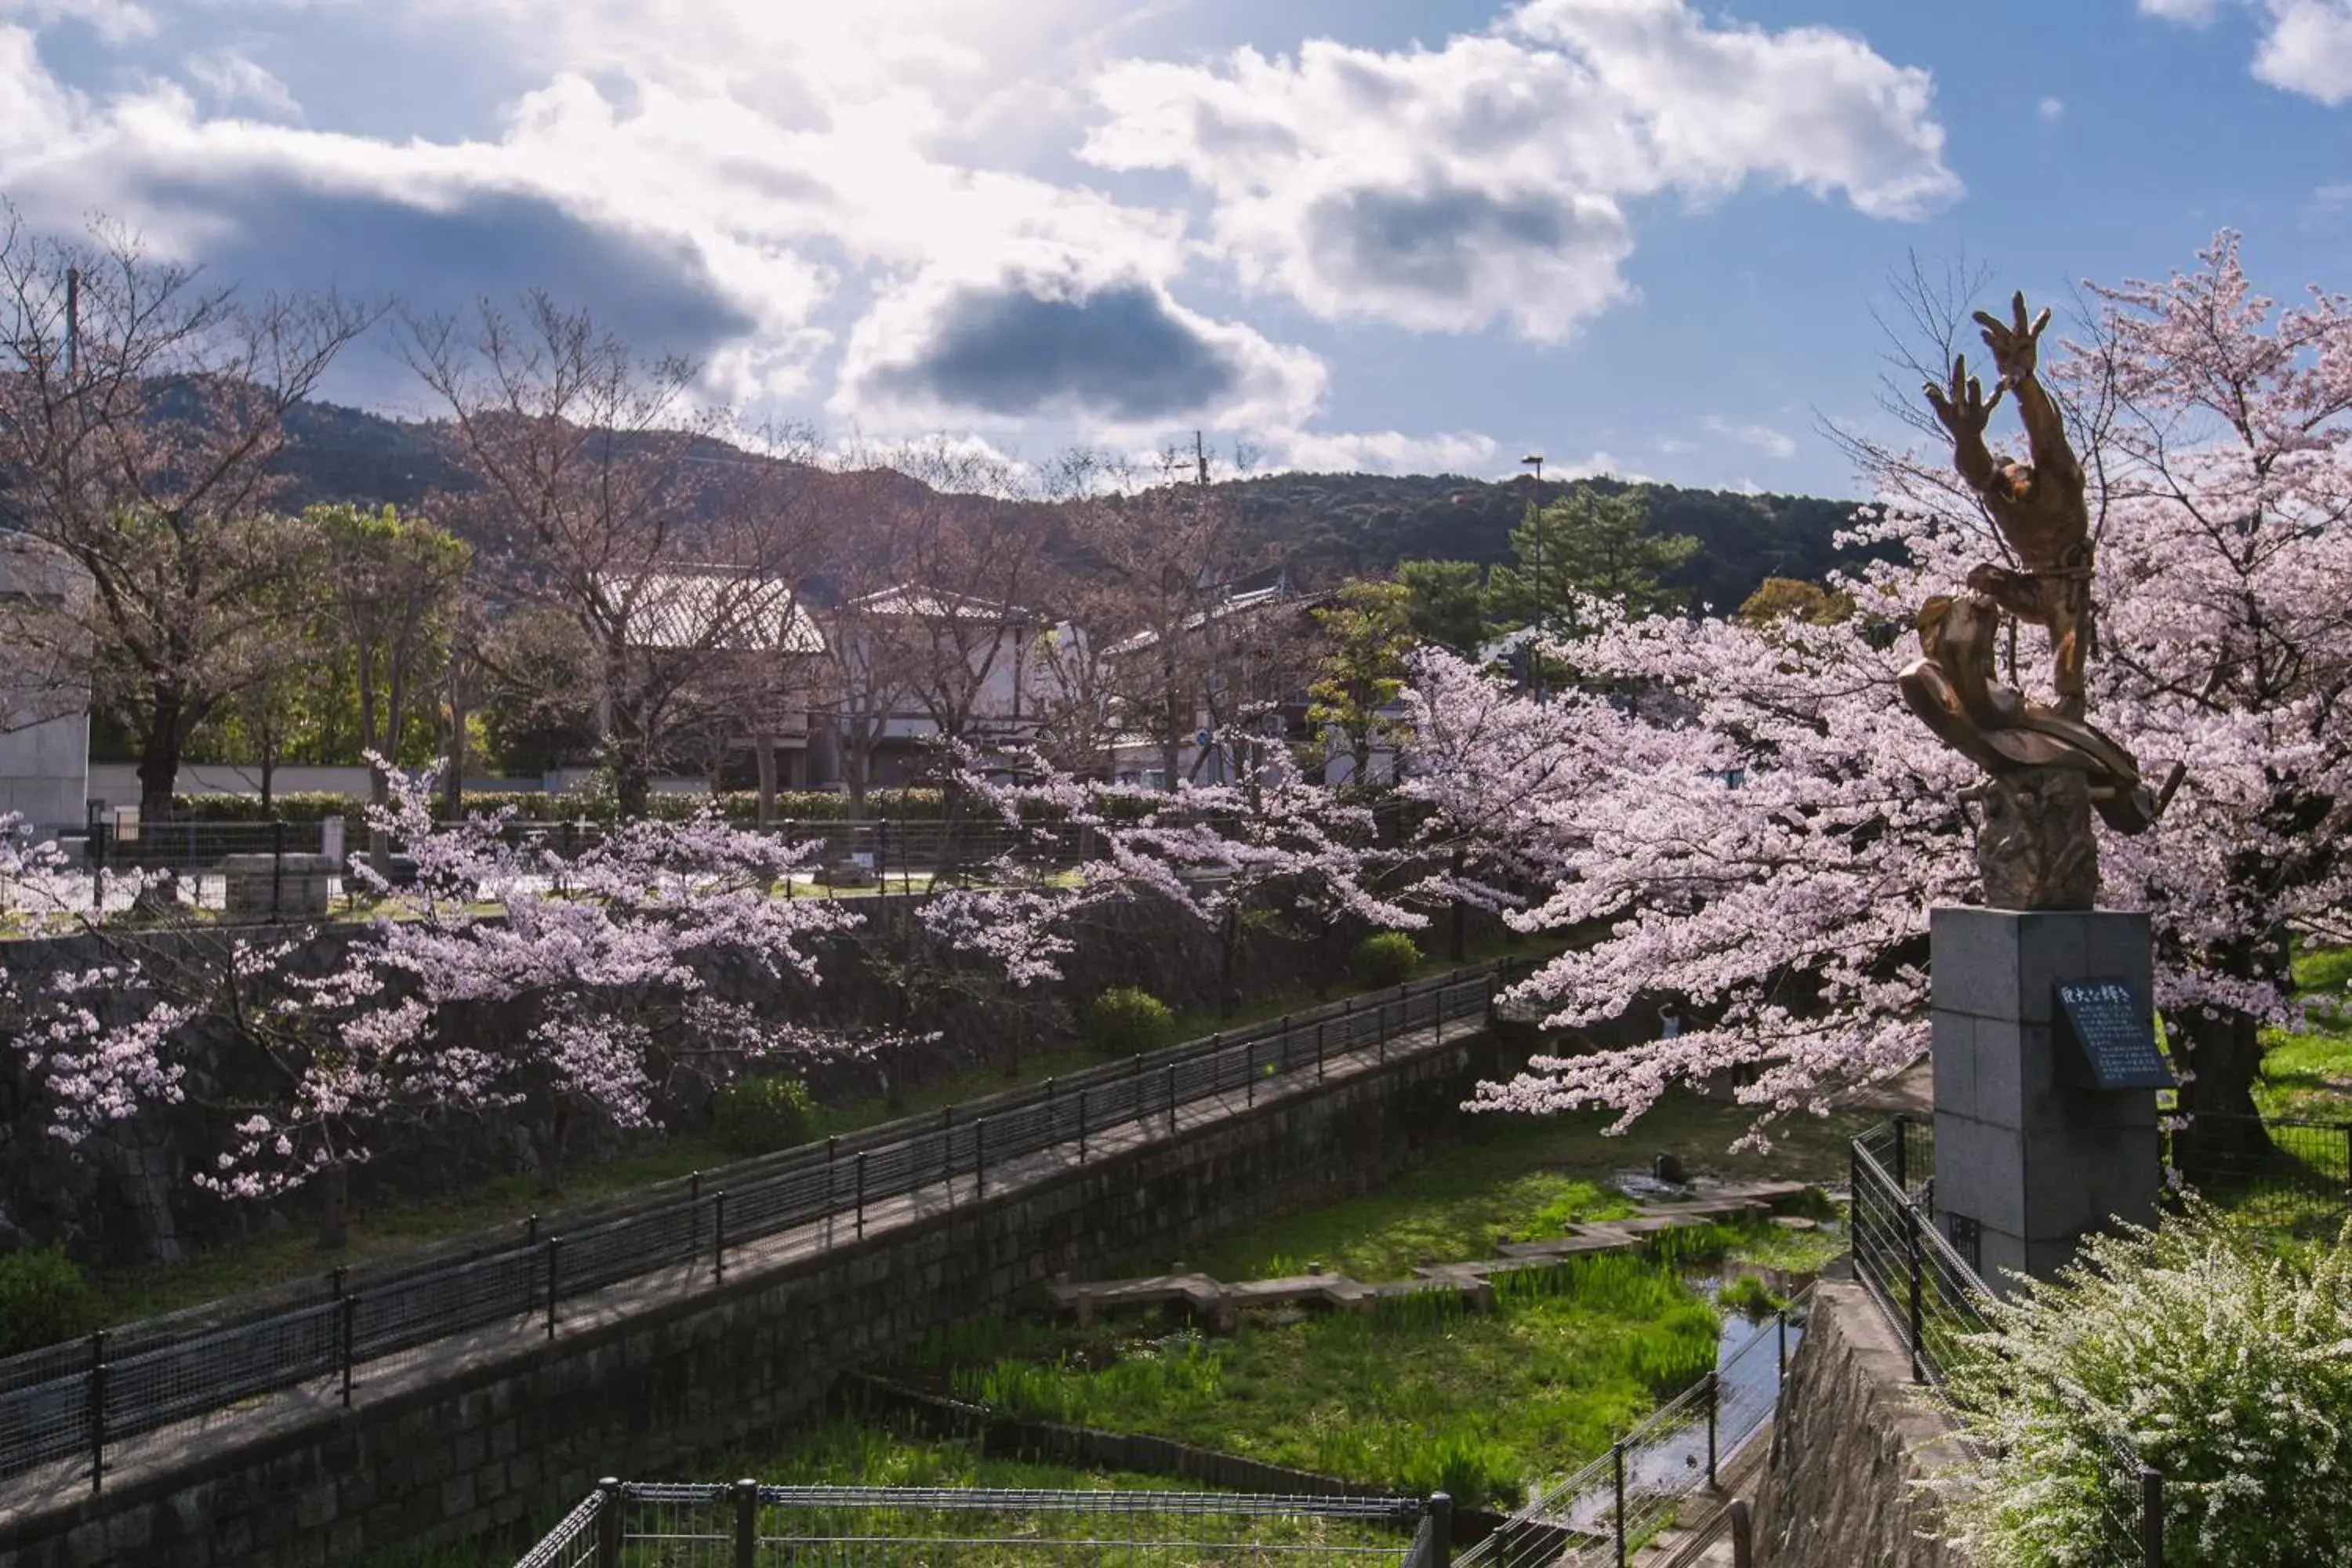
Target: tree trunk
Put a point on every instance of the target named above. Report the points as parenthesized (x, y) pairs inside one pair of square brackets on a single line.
[(1229, 996), (633, 786), (1458, 946), (859, 757), (453, 778), (160, 741), (379, 849), (334, 1206), (2225, 1057), (763, 748)]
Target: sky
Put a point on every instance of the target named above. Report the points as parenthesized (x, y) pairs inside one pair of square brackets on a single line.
[(1646, 237)]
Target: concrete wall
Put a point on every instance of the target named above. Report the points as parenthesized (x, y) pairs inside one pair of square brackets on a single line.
[(656, 1382), (1852, 1435)]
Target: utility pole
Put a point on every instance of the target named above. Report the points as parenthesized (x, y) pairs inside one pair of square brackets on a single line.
[(73, 320), (1537, 645), (1200, 458)]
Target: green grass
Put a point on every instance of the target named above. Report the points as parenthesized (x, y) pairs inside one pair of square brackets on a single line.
[(845, 1450), (2307, 1074), (1525, 1178), (1787, 1251), (1748, 1294), (1421, 1393)]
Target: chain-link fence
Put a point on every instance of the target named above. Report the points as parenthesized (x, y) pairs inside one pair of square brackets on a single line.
[(1633, 1495), (747, 1525), (77, 1399)]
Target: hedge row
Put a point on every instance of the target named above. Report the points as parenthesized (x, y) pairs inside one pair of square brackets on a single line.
[(534, 806)]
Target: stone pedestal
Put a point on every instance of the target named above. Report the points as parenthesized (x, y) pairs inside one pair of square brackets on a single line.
[(2026, 1163)]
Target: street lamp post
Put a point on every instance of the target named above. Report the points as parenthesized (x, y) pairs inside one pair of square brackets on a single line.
[(1536, 659)]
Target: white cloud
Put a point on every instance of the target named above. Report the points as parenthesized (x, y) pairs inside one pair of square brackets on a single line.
[(2306, 45), (733, 218), (1447, 189), (1763, 437), (1382, 452), (1594, 465), (2308, 49), (233, 79), (2051, 109), (845, 199)]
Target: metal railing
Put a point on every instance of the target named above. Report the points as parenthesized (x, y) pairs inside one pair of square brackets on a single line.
[(81, 1398), (2284, 1174), (1929, 1292), (1936, 1301), (746, 1524), (1606, 1512)]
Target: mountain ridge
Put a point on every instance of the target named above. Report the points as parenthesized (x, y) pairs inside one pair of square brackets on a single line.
[(1322, 526)]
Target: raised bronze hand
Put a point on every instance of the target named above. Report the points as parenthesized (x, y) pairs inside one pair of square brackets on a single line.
[(2014, 344), (1963, 408)]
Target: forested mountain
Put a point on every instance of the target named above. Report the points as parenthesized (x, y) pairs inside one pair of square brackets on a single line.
[(1323, 527), (1335, 525)]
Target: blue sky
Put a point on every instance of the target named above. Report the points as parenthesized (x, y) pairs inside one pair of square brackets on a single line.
[(1640, 235)]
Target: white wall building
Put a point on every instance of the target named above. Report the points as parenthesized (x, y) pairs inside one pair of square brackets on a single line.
[(44, 601)]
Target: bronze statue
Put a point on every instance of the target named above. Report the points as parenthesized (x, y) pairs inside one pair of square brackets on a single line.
[(2049, 769)]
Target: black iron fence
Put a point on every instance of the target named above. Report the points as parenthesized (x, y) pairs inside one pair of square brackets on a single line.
[(2285, 1174), (1936, 1301), (745, 1524), (912, 855), (1608, 1512), (900, 845), (79, 1399)]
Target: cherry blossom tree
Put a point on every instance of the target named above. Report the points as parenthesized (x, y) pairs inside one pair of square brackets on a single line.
[(141, 418), (1271, 848), (1762, 828), (592, 990)]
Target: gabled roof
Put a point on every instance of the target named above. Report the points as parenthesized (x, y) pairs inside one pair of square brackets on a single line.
[(932, 604), (1240, 604), (718, 609)]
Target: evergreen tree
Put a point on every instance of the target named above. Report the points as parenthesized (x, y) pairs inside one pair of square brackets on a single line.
[(1445, 602), (1369, 631), (1586, 542)]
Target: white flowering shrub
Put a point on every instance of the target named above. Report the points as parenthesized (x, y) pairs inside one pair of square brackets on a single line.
[(2226, 1366)]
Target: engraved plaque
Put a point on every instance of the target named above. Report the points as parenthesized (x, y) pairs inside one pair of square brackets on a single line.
[(2114, 1036)]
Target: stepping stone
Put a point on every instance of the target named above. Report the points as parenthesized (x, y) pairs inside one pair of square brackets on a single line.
[(1765, 1192), (1795, 1221), (1198, 1291), (1707, 1208), (1564, 1246)]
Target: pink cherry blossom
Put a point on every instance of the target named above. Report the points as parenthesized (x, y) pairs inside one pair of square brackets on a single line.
[(1763, 828)]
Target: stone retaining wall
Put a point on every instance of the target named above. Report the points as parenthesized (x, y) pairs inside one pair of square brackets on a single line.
[(1853, 1435), (505, 1438)]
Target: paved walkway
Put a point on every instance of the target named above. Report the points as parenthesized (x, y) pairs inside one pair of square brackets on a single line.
[(159, 1453)]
